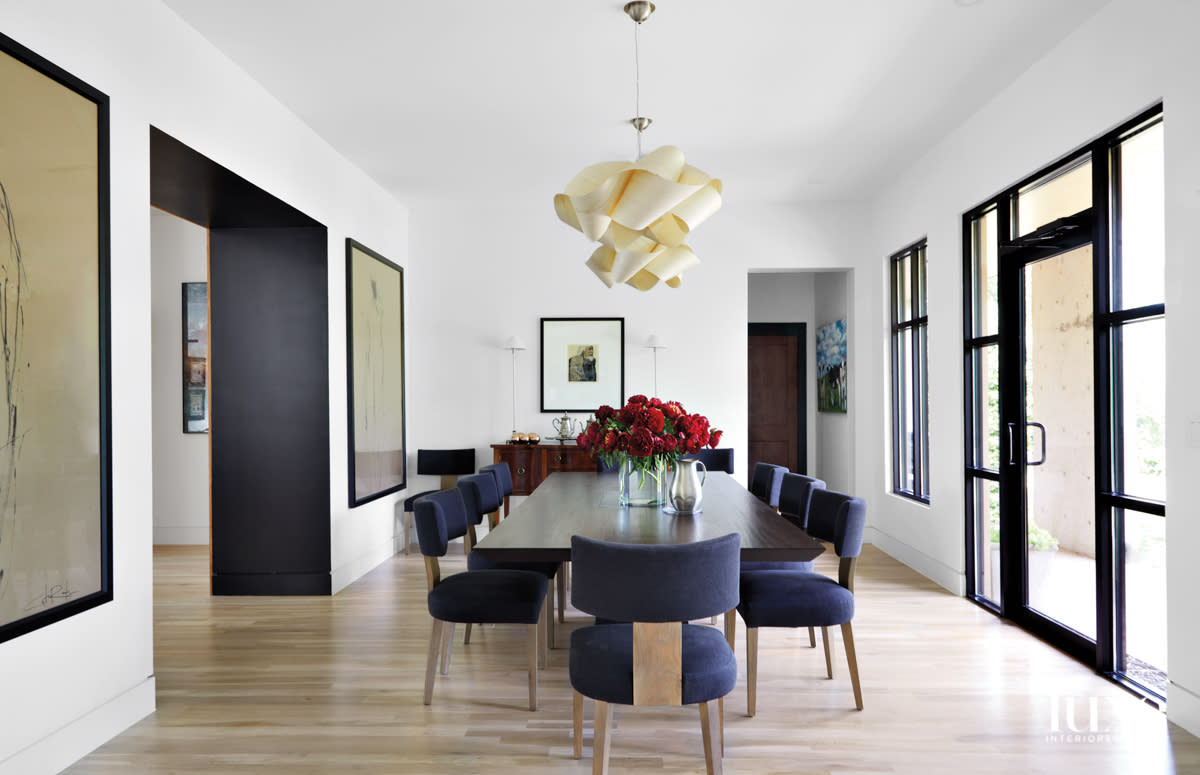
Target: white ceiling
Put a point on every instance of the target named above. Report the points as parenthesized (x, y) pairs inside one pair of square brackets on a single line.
[(784, 100)]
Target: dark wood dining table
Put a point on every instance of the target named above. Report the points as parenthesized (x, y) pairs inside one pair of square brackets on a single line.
[(567, 504)]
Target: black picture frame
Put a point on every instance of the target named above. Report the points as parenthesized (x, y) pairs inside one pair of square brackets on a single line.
[(195, 357), (375, 374), (54, 255), (574, 380)]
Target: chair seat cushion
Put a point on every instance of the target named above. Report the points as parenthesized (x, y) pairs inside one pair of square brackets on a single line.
[(601, 664), (492, 596), (410, 500), (477, 562), (780, 598), (777, 565)]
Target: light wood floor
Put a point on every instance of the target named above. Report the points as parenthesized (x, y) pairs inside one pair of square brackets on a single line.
[(333, 685)]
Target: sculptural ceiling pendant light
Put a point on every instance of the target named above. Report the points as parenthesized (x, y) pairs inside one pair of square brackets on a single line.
[(642, 211)]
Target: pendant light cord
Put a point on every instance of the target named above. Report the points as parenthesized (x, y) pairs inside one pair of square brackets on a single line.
[(637, 85)]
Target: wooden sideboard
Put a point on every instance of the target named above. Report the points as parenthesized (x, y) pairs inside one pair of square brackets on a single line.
[(530, 464)]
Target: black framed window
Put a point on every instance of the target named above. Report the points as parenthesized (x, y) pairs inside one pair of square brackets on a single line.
[(910, 393)]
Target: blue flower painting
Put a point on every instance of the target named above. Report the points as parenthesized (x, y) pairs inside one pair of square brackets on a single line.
[(832, 376)]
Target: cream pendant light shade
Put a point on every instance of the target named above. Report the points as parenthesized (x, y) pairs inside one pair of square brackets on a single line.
[(640, 212)]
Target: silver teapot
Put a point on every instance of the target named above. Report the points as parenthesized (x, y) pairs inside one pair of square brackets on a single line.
[(687, 488), (565, 426)]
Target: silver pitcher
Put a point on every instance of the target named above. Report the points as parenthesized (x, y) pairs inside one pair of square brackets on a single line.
[(687, 488)]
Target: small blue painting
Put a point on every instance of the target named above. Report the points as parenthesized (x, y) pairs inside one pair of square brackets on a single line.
[(832, 376)]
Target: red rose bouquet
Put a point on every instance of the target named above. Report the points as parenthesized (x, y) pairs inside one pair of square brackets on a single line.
[(647, 435)]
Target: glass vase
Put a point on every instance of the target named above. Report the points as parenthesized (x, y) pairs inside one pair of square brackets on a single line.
[(641, 487)]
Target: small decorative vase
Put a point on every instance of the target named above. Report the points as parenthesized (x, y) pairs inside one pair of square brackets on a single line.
[(641, 487)]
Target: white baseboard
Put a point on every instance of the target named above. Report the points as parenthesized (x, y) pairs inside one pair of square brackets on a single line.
[(188, 536), (60, 749), (1183, 708), (359, 566), (934, 570)]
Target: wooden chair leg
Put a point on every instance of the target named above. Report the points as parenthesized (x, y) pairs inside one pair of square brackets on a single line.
[(751, 669), (408, 518), (828, 654), (710, 732), (721, 713), (601, 738), (467, 634), (730, 627), (447, 644), (431, 662), (852, 661), (812, 637), (493, 519), (533, 649), (560, 578), (543, 628), (577, 722), (551, 630)]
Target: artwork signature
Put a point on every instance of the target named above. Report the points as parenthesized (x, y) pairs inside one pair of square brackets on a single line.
[(56, 593)]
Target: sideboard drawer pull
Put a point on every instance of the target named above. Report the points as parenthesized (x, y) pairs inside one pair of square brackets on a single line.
[(559, 458), (522, 470)]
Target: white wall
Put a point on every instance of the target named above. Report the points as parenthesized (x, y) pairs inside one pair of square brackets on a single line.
[(519, 263), (1122, 60), (82, 680), (787, 297), (835, 431), (178, 254)]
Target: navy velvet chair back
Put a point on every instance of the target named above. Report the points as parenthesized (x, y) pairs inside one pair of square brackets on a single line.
[(715, 459), (446, 462), (767, 480), (503, 476), (480, 495), (440, 517), (795, 494), (655, 582), (838, 518)]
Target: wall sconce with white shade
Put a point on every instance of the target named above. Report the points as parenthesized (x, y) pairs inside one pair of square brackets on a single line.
[(513, 344)]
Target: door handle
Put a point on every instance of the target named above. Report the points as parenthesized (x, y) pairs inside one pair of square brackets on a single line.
[(1041, 459), (1012, 449)]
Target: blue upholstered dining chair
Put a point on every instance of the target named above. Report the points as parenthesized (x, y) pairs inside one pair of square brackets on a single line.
[(504, 483), (449, 464), (480, 497), (720, 459), (785, 598), (501, 596), (766, 481), (657, 658)]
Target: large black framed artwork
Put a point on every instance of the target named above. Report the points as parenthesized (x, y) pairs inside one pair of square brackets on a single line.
[(583, 363), (55, 451), (375, 355)]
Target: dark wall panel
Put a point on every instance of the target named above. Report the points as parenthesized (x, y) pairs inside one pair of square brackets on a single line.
[(268, 291)]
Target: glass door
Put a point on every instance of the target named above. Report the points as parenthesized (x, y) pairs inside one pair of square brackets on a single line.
[(1064, 405), (1048, 445)]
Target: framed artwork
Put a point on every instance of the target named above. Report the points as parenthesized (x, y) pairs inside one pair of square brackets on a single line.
[(55, 452), (195, 357), (832, 377), (375, 356), (583, 363)]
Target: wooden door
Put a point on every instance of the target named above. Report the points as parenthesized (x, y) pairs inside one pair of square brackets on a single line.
[(776, 391)]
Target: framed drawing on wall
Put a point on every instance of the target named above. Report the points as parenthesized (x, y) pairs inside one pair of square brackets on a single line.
[(583, 363), (375, 359), (195, 357), (55, 466)]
